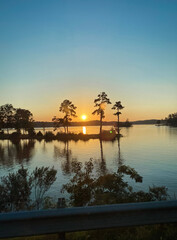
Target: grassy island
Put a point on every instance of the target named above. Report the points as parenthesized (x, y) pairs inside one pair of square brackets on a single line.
[(49, 136)]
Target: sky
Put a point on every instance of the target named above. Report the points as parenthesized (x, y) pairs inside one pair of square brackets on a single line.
[(52, 50)]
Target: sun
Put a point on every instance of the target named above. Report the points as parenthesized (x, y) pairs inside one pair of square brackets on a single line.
[(83, 117)]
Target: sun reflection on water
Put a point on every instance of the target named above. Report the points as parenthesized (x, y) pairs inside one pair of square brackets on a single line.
[(84, 130)]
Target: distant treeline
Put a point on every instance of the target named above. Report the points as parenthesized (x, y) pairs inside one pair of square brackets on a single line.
[(42, 124), (87, 123), (17, 118)]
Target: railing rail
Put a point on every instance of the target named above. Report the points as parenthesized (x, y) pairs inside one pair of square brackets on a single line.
[(30, 223)]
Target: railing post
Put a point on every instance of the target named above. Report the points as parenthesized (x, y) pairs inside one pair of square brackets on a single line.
[(61, 204)]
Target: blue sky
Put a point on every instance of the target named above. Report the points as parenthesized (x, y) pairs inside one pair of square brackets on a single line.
[(64, 49)]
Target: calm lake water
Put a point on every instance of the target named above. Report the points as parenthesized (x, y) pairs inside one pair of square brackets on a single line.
[(151, 150)]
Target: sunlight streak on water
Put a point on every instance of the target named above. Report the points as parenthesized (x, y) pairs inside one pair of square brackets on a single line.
[(84, 130)]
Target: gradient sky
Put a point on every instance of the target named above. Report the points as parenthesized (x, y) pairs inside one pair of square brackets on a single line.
[(51, 50)]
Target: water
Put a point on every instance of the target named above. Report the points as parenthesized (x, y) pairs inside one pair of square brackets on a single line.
[(151, 150)]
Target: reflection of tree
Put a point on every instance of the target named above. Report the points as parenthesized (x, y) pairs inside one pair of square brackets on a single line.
[(101, 168), (172, 131), (127, 131), (65, 153), (19, 151), (103, 162), (44, 149), (25, 150), (2, 153), (120, 158)]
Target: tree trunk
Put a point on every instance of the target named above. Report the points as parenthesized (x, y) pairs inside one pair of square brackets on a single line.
[(118, 124), (101, 124), (66, 124)]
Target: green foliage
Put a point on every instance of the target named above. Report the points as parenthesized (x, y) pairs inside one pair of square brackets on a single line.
[(81, 185), (42, 178), (16, 188), (15, 191), (123, 169), (49, 203), (158, 193), (87, 189)]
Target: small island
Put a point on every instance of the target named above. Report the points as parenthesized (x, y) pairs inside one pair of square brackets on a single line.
[(17, 123)]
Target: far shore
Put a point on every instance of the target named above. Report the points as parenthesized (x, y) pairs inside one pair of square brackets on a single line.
[(94, 123)]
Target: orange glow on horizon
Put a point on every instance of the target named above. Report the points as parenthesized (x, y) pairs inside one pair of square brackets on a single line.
[(129, 112)]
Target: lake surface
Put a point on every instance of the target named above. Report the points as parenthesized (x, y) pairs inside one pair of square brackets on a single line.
[(151, 150)]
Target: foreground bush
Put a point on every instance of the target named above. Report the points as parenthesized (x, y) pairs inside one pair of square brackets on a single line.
[(16, 188), (110, 188)]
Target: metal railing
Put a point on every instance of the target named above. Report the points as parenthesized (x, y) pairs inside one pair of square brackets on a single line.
[(30, 223)]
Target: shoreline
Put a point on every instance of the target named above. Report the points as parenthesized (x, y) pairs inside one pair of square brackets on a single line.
[(49, 136)]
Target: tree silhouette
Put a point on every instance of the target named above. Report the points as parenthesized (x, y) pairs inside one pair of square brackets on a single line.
[(7, 116), (42, 179), (100, 103), (16, 188), (59, 122), (17, 118), (68, 108), (172, 120), (23, 120), (86, 188), (65, 153), (117, 106)]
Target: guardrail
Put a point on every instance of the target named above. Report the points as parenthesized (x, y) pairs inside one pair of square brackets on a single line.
[(30, 223)]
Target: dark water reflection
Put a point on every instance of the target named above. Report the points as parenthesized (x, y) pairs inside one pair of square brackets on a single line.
[(150, 150), (66, 154), (102, 165), (12, 153)]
